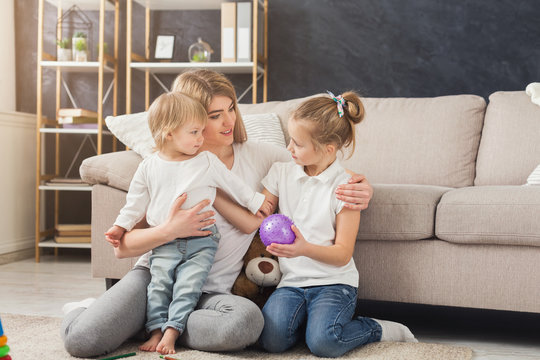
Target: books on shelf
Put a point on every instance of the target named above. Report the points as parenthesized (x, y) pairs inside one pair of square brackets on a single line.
[(228, 32), (72, 239), (76, 116), (243, 32), (65, 181), (80, 126), (72, 233), (73, 227), (65, 112)]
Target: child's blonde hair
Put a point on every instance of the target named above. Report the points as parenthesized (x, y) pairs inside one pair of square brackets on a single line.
[(203, 85), (172, 110), (325, 125)]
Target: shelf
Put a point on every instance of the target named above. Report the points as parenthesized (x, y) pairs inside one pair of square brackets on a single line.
[(73, 131), (50, 243), (176, 67), (76, 66), (180, 4), (82, 4), (67, 187)]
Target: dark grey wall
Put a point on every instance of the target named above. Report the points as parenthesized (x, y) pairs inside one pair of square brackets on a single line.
[(382, 48), (388, 48)]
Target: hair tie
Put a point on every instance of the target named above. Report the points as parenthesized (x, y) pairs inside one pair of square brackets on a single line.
[(340, 101)]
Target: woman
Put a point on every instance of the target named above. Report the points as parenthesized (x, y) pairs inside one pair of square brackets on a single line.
[(221, 322)]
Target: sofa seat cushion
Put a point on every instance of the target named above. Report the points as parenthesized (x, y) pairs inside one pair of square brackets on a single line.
[(115, 169), (503, 215), (401, 212)]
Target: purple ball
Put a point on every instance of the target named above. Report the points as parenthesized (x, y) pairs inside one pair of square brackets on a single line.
[(277, 229)]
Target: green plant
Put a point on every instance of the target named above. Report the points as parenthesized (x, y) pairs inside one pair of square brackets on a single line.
[(105, 48), (63, 43), (80, 45), (80, 34)]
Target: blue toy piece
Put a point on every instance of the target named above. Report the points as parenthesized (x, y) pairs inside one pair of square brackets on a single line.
[(1, 329), (276, 228)]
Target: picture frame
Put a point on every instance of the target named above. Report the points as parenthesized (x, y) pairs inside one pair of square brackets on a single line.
[(164, 47)]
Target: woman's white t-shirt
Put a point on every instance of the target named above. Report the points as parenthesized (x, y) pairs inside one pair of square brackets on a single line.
[(252, 161)]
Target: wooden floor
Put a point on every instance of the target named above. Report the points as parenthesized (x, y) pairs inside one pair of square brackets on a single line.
[(42, 288)]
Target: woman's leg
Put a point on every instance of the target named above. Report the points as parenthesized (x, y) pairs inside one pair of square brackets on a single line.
[(284, 316), (113, 318), (223, 322), (331, 330)]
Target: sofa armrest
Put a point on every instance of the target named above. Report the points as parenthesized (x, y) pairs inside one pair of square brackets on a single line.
[(114, 169), (106, 203)]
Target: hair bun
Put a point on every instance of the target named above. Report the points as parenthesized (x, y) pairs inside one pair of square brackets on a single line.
[(355, 109)]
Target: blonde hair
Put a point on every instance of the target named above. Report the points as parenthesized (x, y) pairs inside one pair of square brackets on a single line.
[(172, 110), (203, 85), (325, 125)]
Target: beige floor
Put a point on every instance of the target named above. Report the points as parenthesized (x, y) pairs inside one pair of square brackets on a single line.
[(42, 288)]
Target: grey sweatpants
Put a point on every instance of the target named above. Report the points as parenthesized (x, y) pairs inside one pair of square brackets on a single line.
[(221, 322)]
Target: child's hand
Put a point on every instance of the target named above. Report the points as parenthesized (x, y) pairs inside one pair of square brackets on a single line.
[(297, 248), (114, 235), (266, 209)]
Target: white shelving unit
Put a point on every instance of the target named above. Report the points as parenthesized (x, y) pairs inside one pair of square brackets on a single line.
[(105, 64), (258, 68)]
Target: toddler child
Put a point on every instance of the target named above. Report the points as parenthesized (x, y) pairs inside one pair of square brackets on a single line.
[(178, 268)]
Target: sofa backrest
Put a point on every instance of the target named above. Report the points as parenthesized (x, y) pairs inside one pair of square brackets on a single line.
[(431, 141), (510, 146)]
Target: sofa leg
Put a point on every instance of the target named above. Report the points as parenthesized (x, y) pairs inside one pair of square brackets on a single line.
[(109, 283)]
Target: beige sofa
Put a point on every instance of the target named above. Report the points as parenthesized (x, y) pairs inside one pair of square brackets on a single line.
[(450, 223)]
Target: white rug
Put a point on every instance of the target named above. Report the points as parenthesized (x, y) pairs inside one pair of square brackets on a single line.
[(38, 337)]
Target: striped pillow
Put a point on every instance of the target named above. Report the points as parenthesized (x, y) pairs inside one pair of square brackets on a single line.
[(534, 178), (264, 128)]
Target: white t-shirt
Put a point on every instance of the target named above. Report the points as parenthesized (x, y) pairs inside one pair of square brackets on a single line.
[(252, 160), (311, 203), (158, 182)]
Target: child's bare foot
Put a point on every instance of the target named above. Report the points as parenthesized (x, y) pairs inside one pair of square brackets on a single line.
[(166, 345), (152, 343)]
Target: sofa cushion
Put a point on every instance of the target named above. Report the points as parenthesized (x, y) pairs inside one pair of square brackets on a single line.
[(115, 169), (504, 215), (400, 212), (429, 141), (510, 146), (282, 108)]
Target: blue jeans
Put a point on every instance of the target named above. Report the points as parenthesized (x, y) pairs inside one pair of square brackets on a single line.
[(179, 270), (323, 315)]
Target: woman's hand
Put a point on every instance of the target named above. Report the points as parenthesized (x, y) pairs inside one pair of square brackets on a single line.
[(356, 194), (183, 223), (297, 248), (180, 223)]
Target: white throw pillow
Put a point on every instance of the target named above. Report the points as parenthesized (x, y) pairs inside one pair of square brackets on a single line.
[(264, 128), (534, 178), (133, 131)]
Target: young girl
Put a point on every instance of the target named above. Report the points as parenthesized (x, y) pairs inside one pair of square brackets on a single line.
[(316, 297), (178, 268)]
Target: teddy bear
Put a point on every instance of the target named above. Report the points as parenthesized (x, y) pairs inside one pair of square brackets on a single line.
[(260, 274)]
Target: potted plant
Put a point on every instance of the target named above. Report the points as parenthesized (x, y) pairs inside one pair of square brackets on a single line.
[(79, 46), (63, 50), (105, 48)]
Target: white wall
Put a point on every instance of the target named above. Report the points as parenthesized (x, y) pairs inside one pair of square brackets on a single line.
[(7, 58), (17, 181), (17, 149)]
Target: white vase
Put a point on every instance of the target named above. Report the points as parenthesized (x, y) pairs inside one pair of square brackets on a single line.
[(81, 55), (78, 54), (63, 54)]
